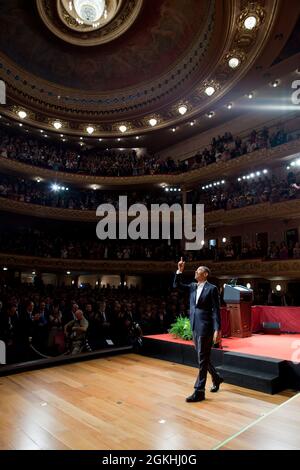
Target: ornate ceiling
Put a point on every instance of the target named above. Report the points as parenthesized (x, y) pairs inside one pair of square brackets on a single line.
[(141, 60)]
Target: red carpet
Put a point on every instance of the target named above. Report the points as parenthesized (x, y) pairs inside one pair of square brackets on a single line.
[(285, 347)]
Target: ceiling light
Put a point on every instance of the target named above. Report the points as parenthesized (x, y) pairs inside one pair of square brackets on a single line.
[(38, 180), (89, 11), (250, 96), (55, 187), (20, 124), (229, 106), (90, 130), (265, 172), (174, 129), (57, 125), (250, 22), (22, 114), (152, 122), (182, 109), (275, 83), (234, 62), (122, 128), (239, 179), (41, 131), (137, 137), (210, 115), (61, 135), (210, 90), (192, 123)]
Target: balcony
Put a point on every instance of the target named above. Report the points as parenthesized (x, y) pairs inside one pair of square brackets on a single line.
[(254, 268)]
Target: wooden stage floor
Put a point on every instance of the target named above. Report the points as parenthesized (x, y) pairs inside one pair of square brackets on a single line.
[(135, 402)]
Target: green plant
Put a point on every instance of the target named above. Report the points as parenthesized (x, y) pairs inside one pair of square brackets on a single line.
[(182, 328)]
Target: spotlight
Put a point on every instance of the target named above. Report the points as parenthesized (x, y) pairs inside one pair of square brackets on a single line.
[(5, 269), (250, 96), (192, 123), (229, 106), (122, 129), (278, 287), (248, 285), (182, 109), (275, 83), (210, 90), (152, 122), (57, 125), (22, 114), (174, 129), (55, 187), (250, 22), (90, 130), (224, 239), (234, 62), (210, 115), (265, 172), (137, 137)]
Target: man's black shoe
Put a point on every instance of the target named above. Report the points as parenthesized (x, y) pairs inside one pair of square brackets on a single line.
[(216, 385), (197, 396)]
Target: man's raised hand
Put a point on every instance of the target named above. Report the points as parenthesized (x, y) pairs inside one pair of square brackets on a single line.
[(181, 264)]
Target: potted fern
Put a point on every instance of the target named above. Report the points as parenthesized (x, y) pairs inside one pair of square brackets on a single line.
[(181, 328)]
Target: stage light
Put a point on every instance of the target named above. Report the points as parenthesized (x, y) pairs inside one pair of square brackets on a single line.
[(248, 285), (265, 172), (122, 129), (250, 96), (278, 288), (210, 90), (152, 122), (55, 187), (68, 273), (137, 137), (20, 124), (5, 269), (224, 239), (100, 140), (210, 115), (174, 129), (229, 106), (33, 273), (22, 114), (41, 131), (250, 22), (192, 123), (239, 179)]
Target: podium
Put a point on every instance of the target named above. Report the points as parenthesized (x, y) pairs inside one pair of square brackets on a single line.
[(238, 300)]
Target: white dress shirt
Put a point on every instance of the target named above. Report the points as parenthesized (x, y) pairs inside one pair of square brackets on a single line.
[(200, 286)]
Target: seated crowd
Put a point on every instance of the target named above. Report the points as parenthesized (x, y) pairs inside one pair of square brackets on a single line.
[(118, 162), (37, 321)]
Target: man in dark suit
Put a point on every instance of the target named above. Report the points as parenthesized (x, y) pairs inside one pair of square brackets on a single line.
[(206, 325)]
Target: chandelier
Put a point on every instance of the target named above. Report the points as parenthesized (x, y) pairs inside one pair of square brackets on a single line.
[(89, 11)]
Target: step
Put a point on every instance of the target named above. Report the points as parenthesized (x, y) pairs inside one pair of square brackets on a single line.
[(257, 363), (253, 379)]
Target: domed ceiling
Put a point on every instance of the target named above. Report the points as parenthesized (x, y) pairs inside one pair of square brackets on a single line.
[(117, 64)]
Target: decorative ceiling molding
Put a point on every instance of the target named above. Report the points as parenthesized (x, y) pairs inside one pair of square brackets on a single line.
[(221, 37)]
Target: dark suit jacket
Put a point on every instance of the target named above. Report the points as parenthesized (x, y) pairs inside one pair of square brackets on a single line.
[(205, 315)]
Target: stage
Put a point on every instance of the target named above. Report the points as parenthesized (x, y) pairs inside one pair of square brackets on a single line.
[(267, 363)]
